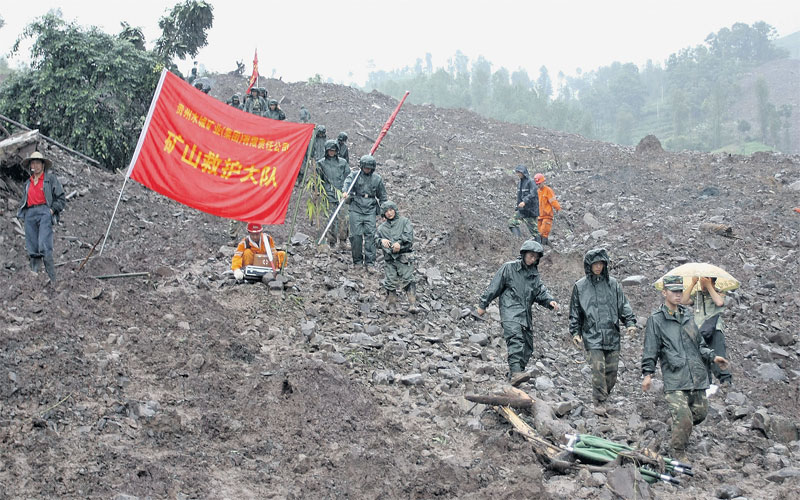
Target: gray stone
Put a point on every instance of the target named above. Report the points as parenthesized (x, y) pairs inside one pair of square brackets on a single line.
[(591, 221), (433, 274), (727, 491), (782, 430), (781, 475), (308, 327), (479, 338), (600, 233), (636, 279), (450, 373), (364, 340), (781, 337), (735, 398), (373, 330), (382, 377), (184, 325), (197, 361), (770, 371), (336, 358), (795, 186), (544, 383), (596, 479), (564, 407), (474, 424), (412, 379), (299, 239)]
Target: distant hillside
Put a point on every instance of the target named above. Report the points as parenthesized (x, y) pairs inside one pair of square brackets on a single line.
[(790, 43)]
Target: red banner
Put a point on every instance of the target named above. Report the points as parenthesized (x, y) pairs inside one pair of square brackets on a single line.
[(213, 157)]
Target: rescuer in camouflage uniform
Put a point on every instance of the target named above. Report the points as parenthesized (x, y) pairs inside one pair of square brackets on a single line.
[(305, 116), (333, 171), (396, 237), (254, 103), (596, 308), (672, 338), (365, 198), (344, 151), (518, 285), (236, 101), (274, 111), (527, 209)]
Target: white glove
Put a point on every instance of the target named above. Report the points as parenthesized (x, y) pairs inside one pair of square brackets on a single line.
[(238, 274)]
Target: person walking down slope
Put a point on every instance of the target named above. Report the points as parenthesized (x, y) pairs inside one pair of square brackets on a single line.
[(527, 208), (333, 171), (396, 238), (365, 198), (671, 338), (305, 116), (518, 285), (547, 204), (41, 203), (596, 308)]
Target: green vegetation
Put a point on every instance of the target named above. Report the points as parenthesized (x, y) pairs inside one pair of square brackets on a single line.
[(90, 90), (687, 103)]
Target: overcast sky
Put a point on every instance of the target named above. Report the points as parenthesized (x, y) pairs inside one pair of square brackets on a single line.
[(339, 38)]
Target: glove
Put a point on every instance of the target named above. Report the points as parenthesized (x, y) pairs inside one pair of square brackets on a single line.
[(238, 274), (631, 330), (577, 340)]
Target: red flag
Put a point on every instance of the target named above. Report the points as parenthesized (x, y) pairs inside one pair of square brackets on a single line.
[(254, 76), (213, 157)]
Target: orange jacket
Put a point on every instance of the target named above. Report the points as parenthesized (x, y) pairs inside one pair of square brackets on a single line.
[(547, 202), (248, 244)]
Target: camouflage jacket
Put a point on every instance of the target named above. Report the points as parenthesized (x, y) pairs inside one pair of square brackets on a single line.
[(333, 172), (675, 341), (518, 287), (398, 229)]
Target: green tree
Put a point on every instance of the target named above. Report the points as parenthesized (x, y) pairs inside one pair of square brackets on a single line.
[(479, 84), (544, 86), (763, 106), (184, 30)]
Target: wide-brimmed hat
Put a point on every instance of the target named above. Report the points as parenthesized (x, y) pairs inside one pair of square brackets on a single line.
[(36, 156)]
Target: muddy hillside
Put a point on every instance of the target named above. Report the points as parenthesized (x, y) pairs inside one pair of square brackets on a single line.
[(182, 384)]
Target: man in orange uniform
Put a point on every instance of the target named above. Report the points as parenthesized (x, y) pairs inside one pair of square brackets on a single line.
[(547, 202), (255, 244)]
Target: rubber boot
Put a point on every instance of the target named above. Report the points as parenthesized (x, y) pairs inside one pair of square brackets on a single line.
[(36, 264), (545, 241), (391, 299), (50, 267), (515, 231), (411, 293)]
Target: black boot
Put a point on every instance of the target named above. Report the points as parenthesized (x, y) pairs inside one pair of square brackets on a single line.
[(545, 241), (36, 263), (50, 267)]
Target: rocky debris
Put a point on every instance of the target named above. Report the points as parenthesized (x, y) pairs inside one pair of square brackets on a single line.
[(649, 144)]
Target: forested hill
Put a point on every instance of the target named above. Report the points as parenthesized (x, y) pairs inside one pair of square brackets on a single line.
[(693, 100)]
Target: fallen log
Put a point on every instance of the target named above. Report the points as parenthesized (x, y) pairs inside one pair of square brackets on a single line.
[(500, 400), (124, 275)]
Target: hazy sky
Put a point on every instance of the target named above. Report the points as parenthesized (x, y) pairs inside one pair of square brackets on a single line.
[(339, 38)]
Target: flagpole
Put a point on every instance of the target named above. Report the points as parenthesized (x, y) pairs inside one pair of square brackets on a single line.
[(136, 153)]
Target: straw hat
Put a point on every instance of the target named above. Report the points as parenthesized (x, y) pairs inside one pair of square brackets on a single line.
[(36, 156)]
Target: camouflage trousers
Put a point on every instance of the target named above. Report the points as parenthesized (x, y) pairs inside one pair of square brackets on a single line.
[(604, 365), (530, 222), (519, 344), (399, 272), (687, 408)]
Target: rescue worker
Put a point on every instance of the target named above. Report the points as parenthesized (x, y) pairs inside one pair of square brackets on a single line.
[(254, 103), (596, 308), (365, 194), (709, 305), (236, 101), (344, 151), (274, 111), (671, 337), (396, 237), (518, 285), (333, 171), (318, 151), (547, 203), (527, 208), (255, 243), (305, 116), (40, 206)]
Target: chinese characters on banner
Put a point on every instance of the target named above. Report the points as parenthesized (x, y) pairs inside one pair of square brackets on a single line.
[(210, 156)]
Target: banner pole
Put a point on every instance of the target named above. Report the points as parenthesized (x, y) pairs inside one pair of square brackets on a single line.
[(371, 151), (135, 153), (300, 195)]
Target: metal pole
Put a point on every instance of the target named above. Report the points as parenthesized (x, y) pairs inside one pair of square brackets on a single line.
[(385, 129)]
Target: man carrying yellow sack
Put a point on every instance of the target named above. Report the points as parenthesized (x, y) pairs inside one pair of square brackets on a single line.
[(547, 202), (252, 245)]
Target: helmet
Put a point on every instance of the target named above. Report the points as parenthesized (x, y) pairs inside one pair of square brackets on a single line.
[(321, 130), (254, 227), (367, 161), (331, 144), (235, 98), (198, 85), (538, 178), (342, 136), (273, 101)]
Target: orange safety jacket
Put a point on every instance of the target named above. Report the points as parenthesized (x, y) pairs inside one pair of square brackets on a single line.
[(547, 202), (247, 243)]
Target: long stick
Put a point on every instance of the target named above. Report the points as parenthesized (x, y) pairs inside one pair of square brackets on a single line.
[(136, 153), (90, 160), (89, 254), (124, 275), (371, 151), (309, 152)]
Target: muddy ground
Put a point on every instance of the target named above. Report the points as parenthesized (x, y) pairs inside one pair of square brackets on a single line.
[(185, 385)]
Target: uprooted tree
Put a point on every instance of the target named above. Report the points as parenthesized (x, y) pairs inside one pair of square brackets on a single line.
[(91, 90)]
